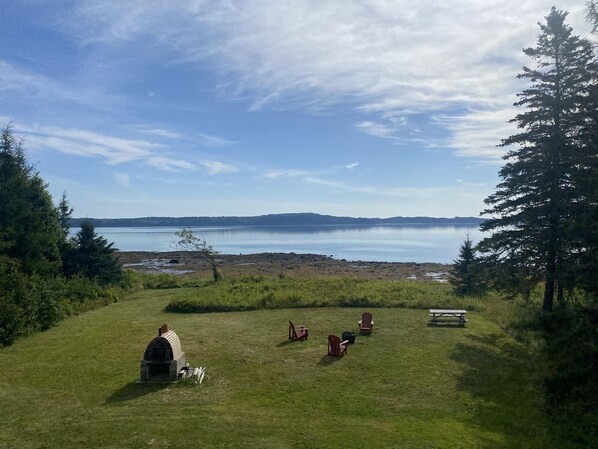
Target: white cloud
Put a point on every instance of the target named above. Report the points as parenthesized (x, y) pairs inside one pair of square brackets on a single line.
[(170, 164), (352, 165), (157, 132), (114, 150), (383, 130), (384, 58), (219, 168), (278, 174), (476, 134), (122, 179), (214, 141)]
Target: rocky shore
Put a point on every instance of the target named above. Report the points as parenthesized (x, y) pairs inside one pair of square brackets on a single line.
[(287, 264)]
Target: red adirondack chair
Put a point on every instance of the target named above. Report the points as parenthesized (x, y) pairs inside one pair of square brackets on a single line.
[(336, 348), (294, 336), (366, 324)]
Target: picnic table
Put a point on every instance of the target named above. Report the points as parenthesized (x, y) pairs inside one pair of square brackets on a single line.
[(448, 316)]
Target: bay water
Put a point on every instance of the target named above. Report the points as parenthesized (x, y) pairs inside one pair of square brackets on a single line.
[(388, 243)]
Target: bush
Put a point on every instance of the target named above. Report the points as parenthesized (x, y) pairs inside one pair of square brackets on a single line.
[(29, 304)]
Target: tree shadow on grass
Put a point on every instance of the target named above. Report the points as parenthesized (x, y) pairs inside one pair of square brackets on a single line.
[(446, 325), (134, 390), (500, 377)]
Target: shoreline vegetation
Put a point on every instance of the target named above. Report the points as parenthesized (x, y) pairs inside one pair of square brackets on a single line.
[(281, 264)]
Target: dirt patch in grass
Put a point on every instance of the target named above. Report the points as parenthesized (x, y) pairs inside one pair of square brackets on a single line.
[(275, 264)]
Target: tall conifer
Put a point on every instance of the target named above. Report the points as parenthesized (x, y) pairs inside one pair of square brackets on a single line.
[(534, 205), (30, 235)]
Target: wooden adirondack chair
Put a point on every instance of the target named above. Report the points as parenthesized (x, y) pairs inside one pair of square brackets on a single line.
[(336, 348), (366, 324), (294, 336)]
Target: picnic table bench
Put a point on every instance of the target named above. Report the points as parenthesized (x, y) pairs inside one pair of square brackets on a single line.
[(448, 316)]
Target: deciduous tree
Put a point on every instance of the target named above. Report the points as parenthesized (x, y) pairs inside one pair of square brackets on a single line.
[(200, 248)]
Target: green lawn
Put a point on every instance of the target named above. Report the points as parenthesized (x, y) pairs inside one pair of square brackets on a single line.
[(408, 385)]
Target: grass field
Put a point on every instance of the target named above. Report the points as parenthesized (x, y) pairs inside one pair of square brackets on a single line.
[(408, 385)]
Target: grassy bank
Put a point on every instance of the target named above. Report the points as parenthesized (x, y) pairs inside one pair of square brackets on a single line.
[(259, 292), (409, 385)]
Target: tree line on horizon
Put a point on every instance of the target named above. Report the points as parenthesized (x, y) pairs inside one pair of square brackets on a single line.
[(288, 219)]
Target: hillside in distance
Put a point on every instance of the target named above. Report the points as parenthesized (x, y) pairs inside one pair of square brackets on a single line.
[(291, 219)]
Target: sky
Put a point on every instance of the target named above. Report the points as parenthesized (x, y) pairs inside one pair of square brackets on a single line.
[(369, 108)]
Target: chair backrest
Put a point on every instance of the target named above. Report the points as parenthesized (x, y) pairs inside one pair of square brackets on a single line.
[(334, 346), (302, 335), (366, 320), (292, 332)]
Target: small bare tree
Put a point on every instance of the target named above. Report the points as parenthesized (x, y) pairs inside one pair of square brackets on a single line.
[(200, 249)]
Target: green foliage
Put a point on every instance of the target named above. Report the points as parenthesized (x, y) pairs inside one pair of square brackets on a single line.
[(257, 292), (92, 256), (466, 274), (64, 215), (200, 249), (29, 303), (536, 204), (30, 233), (571, 381)]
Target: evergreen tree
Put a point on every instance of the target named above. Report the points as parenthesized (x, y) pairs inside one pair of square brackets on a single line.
[(583, 227), (92, 256), (466, 274), (64, 215), (534, 202), (30, 235)]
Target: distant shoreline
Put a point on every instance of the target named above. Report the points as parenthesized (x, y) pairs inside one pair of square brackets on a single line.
[(298, 219), (285, 264)]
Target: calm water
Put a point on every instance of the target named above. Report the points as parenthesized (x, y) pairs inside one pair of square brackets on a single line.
[(369, 243)]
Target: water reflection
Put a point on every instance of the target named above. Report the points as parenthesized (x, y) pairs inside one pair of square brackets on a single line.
[(386, 243)]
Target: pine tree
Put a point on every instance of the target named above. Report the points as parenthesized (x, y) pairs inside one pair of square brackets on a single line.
[(466, 274), (64, 215), (30, 234), (533, 206), (92, 256)]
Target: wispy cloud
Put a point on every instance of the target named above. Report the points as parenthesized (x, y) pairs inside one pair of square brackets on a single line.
[(476, 133), (157, 132), (352, 165), (388, 59), (214, 141), (383, 130), (114, 150), (13, 78), (122, 179), (219, 168), (278, 174)]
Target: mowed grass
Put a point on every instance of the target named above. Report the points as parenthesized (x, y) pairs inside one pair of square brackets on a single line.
[(408, 385)]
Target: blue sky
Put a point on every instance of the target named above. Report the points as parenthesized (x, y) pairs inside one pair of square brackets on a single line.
[(192, 107)]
